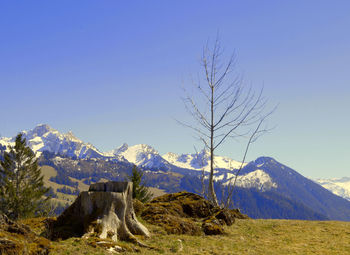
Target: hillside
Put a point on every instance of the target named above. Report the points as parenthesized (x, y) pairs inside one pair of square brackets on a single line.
[(278, 203), (296, 187)]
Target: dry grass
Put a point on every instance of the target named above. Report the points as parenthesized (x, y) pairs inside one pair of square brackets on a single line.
[(49, 172), (76, 246), (263, 237), (244, 237)]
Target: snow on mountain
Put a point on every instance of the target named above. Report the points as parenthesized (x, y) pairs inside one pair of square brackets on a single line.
[(44, 138), (5, 142), (256, 179), (142, 155), (119, 150), (338, 186), (225, 169), (200, 161)]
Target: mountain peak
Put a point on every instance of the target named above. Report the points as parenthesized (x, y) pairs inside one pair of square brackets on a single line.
[(142, 155), (39, 130), (145, 148), (171, 155), (262, 160), (120, 149), (44, 138), (43, 126), (71, 136)]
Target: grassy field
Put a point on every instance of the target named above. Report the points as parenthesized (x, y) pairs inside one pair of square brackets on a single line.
[(244, 237)]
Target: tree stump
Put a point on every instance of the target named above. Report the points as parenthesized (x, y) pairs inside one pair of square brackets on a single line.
[(105, 211)]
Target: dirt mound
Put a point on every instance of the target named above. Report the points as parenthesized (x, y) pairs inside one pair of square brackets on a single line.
[(16, 238), (188, 213)]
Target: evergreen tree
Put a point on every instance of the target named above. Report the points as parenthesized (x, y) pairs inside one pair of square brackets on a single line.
[(139, 191), (21, 183)]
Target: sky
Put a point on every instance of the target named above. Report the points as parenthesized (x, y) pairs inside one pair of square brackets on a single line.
[(113, 71)]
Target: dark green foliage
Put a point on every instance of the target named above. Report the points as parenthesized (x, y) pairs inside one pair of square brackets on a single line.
[(139, 191), (64, 180), (21, 182)]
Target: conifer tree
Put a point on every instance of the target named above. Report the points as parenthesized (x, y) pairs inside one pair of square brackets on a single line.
[(21, 182), (139, 191)]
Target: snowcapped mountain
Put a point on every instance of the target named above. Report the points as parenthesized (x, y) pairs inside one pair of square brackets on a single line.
[(256, 179), (141, 155), (44, 138), (338, 186), (201, 161), (265, 187), (293, 185), (225, 169)]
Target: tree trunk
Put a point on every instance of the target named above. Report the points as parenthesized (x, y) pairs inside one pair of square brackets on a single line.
[(212, 193), (106, 210)]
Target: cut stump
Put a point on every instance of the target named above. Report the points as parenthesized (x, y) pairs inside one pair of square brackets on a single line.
[(105, 211)]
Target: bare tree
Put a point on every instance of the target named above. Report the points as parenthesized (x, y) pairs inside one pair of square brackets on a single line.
[(222, 106)]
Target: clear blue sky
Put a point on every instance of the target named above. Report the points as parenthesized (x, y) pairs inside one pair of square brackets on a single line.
[(111, 72)]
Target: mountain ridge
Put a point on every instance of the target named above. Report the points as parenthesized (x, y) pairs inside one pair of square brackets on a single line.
[(45, 138), (271, 179)]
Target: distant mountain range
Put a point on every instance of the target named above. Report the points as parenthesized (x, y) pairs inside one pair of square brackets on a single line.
[(265, 187), (44, 138), (339, 186)]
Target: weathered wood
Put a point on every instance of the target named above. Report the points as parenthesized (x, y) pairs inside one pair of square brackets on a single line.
[(106, 210)]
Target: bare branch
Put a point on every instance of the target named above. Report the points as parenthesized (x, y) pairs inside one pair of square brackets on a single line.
[(192, 127), (226, 109), (243, 161)]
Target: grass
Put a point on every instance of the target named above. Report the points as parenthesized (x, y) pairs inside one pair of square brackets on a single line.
[(263, 237), (243, 237), (76, 246)]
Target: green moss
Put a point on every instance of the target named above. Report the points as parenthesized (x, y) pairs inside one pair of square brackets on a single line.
[(211, 228), (139, 207), (28, 243), (10, 246)]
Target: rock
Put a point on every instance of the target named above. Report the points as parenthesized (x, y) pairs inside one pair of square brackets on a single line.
[(183, 204), (188, 213), (212, 228), (226, 216), (105, 211), (173, 224), (238, 215)]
